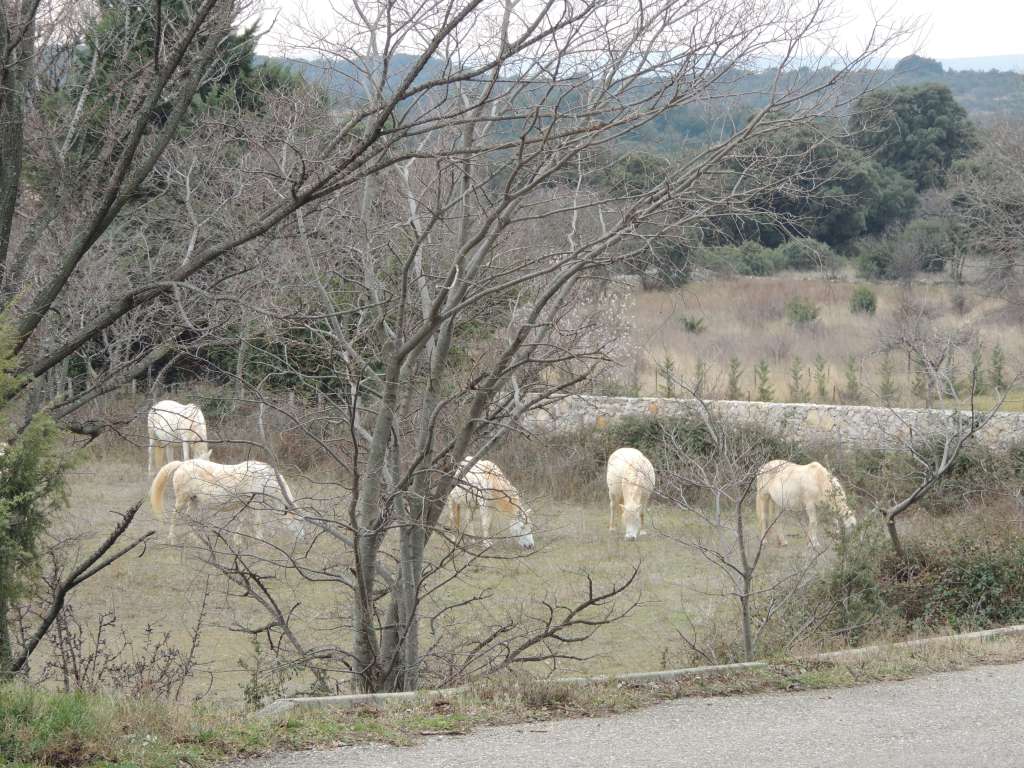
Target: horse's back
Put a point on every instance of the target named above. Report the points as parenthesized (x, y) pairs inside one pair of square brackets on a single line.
[(628, 466), (487, 478), (169, 417), (791, 484), (222, 482)]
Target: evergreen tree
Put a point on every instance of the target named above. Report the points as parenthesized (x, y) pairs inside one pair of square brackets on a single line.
[(887, 388), (918, 131), (852, 393), (797, 389), (821, 377), (997, 373), (735, 374), (762, 376)]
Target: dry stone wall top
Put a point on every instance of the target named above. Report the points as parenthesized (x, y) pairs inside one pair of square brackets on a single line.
[(848, 425)]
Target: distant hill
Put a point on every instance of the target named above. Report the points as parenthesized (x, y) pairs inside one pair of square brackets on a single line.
[(343, 78), (1013, 62), (985, 93)]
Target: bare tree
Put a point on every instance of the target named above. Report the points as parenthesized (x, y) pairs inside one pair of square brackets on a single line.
[(439, 217), (936, 441), (988, 201), (715, 487)]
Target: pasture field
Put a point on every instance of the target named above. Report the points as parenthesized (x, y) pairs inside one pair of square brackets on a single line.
[(746, 318), (677, 589)]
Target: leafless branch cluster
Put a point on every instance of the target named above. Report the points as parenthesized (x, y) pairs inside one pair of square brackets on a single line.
[(420, 248)]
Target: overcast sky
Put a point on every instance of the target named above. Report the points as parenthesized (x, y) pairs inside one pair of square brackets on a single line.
[(958, 28), (948, 28)]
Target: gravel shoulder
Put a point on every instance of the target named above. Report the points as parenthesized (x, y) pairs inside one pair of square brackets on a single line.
[(968, 718)]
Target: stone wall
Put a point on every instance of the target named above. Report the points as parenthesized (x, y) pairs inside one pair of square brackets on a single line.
[(847, 425)]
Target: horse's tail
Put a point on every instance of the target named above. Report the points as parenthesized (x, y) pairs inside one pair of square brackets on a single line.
[(156, 490), (198, 432), (286, 492)]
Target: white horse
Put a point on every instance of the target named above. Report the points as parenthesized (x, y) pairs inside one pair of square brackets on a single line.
[(171, 423), (630, 477), (785, 486), (201, 484), (485, 492)]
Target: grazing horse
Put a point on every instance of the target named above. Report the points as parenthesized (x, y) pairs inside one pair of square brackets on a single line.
[(484, 491), (202, 484), (171, 424), (785, 486), (630, 479)]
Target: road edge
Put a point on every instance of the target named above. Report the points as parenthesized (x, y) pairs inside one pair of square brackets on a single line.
[(359, 700)]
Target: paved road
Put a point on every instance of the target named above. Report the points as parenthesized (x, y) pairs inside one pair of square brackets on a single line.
[(971, 718)]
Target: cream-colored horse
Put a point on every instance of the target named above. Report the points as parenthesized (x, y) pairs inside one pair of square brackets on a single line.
[(631, 478), (784, 486), (486, 493), (171, 423), (201, 484)]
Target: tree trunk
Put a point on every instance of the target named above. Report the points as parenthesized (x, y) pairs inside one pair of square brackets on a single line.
[(890, 526), (748, 627), (747, 582), (6, 652), (400, 647), (14, 82), (368, 532)]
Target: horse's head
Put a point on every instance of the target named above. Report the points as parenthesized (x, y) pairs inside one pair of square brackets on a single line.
[(838, 498), (522, 528), (631, 521)]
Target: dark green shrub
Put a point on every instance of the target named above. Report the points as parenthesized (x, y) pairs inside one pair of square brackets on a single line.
[(927, 244), (661, 438), (874, 257), (853, 584), (804, 253), (801, 311), (692, 324), (754, 259), (749, 258), (863, 301), (962, 584)]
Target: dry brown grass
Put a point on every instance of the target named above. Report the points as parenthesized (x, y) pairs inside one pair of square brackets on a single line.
[(679, 590), (745, 318), (164, 587)]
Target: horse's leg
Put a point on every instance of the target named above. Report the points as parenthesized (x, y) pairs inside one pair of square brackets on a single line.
[(484, 513), (761, 505), (776, 511), (157, 455), (812, 524), (615, 505), (185, 450), (455, 516), (152, 449), (174, 516)]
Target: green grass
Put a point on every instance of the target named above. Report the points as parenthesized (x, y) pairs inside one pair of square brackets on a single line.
[(39, 728)]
